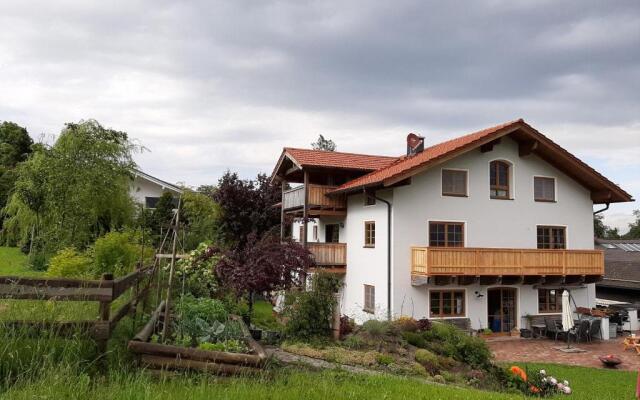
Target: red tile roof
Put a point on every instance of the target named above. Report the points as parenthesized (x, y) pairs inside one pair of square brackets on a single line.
[(404, 164), (334, 159)]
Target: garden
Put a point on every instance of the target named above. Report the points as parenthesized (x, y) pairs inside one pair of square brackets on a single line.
[(203, 325)]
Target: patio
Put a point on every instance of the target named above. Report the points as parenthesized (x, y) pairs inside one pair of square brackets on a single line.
[(509, 348)]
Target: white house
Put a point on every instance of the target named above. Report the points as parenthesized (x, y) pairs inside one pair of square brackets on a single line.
[(146, 189), (489, 227)]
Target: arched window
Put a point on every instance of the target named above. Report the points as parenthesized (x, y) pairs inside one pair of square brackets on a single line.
[(499, 179)]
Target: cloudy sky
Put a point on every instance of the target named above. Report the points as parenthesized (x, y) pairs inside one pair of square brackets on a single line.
[(208, 86)]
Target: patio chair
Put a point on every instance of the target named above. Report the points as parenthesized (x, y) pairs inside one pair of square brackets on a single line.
[(553, 328), (581, 332), (594, 329)]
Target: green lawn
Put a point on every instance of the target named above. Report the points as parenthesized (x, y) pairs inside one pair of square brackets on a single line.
[(263, 316), (13, 262), (591, 383), (285, 385)]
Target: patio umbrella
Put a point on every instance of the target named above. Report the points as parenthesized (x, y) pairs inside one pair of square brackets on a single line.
[(567, 314)]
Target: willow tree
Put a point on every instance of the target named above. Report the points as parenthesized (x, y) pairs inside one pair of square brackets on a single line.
[(69, 193)]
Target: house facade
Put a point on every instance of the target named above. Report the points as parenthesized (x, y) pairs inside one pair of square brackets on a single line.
[(146, 190), (489, 227), (621, 281)]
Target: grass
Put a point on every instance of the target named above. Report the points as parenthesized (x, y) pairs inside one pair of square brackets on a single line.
[(591, 383), (263, 316), (282, 385), (13, 262)]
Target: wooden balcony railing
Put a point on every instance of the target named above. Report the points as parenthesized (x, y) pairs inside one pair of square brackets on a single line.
[(329, 254), (434, 261), (294, 198)]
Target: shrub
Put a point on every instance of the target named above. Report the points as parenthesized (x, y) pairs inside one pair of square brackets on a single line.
[(415, 339), (376, 328), (117, 253), (418, 369), (384, 359), (198, 271), (346, 325), (354, 343), (447, 340), (406, 324), (197, 317), (70, 263), (308, 313), (428, 360), (423, 324), (439, 379)]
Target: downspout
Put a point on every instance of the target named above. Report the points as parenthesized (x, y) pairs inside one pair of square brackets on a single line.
[(604, 209), (388, 249)]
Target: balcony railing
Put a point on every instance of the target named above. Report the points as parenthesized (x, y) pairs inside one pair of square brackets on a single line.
[(434, 261), (294, 198), (329, 254)]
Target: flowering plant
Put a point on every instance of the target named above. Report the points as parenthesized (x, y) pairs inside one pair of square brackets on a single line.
[(197, 271), (539, 384)]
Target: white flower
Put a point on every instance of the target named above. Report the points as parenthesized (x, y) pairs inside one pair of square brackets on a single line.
[(566, 383), (566, 390), (553, 380), (560, 386), (544, 380), (543, 372)]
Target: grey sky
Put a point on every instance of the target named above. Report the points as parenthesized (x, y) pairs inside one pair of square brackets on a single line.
[(207, 86)]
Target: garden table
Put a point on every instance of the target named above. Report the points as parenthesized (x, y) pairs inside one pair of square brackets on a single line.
[(538, 330), (631, 342)]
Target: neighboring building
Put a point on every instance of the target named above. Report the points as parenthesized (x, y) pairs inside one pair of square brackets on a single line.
[(621, 282), (146, 189), (489, 226)]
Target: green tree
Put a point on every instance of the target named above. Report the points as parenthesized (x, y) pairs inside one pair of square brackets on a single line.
[(68, 194), (15, 146), (162, 215), (200, 215), (324, 144), (634, 227)]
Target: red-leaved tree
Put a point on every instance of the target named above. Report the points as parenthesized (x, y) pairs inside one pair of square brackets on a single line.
[(264, 265)]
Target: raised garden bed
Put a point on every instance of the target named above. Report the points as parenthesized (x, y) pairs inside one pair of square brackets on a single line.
[(160, 356)]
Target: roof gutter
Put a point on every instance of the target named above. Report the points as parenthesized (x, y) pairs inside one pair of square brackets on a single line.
[(372, 195), (606, 207)]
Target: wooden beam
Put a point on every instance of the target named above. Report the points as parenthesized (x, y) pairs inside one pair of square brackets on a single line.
[(601, 196), (467, 280), (291, 170), (487, 147), (305, 209), (527, 147), (489, 280), (443, 280)]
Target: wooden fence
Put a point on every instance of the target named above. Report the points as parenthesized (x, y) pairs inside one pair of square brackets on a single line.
[(105, 291)]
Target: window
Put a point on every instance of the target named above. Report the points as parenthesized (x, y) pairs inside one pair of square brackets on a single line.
[(446, 303), (151, 202), (446, 234), (369, 234), (544, 189), (499, 179), (454, 182), (549, 300), (369, 298), (551, 237), (332, 233), (315, 233), (301, 233), (369, 200)]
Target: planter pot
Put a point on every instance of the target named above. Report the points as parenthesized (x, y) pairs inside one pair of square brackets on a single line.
[(526, 333), (256, 334)]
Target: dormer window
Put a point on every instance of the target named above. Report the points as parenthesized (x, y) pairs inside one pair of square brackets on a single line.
[(499, 174)]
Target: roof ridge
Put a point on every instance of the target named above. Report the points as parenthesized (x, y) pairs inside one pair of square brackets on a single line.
[(340, 152)]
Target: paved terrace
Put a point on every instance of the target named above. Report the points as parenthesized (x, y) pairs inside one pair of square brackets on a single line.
[(542, 350)]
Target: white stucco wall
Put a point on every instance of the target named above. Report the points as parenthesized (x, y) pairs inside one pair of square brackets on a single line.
[(488, 222), (141, 188), (366, 266), (320, 223)]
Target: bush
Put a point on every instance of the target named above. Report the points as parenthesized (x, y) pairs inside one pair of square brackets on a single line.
[(308, 313), (428, 360), (376, 328), (406, 324), (70, 263), (415, 339), (423, 324), (384, 359), (196, 316), (117, 253), (346, 325)]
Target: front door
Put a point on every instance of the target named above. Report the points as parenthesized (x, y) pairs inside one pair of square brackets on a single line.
[(331, 233), (501, 309)]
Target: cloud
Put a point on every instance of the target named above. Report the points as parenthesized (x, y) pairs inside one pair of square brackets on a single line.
[(208, 86)]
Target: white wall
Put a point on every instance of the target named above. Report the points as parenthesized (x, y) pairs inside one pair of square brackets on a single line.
[(366, 265), (488, 223), (320, 223), (141, 188)]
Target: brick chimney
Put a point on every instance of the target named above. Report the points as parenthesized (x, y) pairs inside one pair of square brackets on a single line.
[(415, 144)]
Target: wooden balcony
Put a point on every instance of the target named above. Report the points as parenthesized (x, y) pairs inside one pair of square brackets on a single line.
[(329, 256), (478, 262), (294, 198)]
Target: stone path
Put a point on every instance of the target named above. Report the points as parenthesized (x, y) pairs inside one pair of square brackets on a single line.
[(542, 350)]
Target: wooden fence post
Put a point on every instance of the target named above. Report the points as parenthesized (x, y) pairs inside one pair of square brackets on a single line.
[(105, 330)]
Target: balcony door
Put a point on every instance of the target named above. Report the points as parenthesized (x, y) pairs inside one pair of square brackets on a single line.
[(332, 233), (502, 309)]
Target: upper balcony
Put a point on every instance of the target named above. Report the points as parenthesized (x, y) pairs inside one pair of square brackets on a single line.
[(523, 263), (331, 257), (293, 199)]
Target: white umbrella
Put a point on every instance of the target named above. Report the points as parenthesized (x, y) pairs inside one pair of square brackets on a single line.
[(567, 314)]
